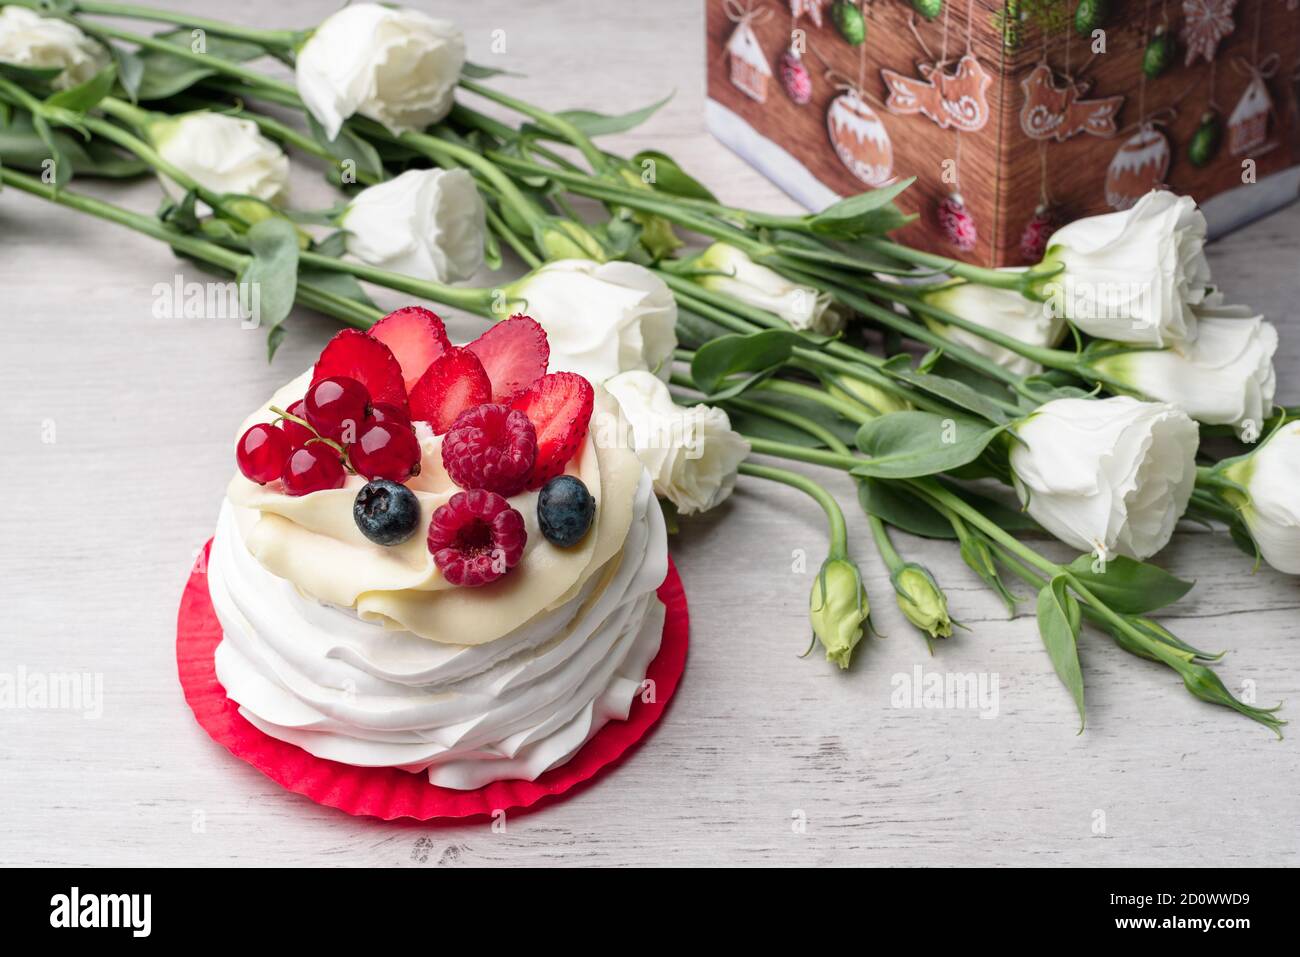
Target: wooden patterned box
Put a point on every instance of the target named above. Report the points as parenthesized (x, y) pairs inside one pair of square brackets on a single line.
[(1017, 116)]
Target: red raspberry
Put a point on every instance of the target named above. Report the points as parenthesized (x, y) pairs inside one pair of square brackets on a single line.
[(490, 447), (476, 537)]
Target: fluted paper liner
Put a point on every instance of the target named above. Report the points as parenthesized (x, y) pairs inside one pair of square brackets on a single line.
[(389, 793)]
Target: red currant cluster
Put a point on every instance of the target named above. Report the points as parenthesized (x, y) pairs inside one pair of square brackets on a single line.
[(332, 430)]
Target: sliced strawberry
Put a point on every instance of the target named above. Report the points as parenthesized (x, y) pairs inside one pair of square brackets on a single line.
[(354, 354), (559, 406), (416, 336), (453, 383), (514, 354)]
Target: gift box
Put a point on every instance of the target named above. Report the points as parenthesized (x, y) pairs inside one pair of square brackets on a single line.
[(1015, 117)]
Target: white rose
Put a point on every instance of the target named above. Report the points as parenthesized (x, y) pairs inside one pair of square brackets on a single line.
[(398, 67), (1111, 475), (601, 318), (30, 40), (222, 153), (691, 453), (1133, 276), (1002, 310), (732, 272), (1225, 377), (1273, 512), (426, 223)]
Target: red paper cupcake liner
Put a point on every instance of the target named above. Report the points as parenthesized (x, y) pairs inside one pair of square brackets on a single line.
[(389, 793)]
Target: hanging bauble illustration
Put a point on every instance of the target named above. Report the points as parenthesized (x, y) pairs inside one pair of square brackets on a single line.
[(1207, 139), (1159, 53), (849, 21), (957, 223), (928, 8), (795, 78), (1089, 15), (1139, 166), (860, 140), (1039, 229)]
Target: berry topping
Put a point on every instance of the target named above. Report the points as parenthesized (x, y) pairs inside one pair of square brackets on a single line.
[(564, 510), (455, 382), (559, 406), (297, 434), (476, 537), (387, 412), (261, 453), (514, 354), (386, 513), (415, 336), (386, 450), (490, 447), (337, 407), (313, 469), (356, 355)]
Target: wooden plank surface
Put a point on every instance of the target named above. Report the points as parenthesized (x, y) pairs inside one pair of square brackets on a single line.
[(102, 522)]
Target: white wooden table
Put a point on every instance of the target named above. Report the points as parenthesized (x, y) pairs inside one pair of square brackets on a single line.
[(116, 433)]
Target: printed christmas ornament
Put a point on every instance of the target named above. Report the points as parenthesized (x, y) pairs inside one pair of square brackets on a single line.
[(928, 8), (1139, 166), (849, 21), (955, 99), (1159, 53), (1248, 123), (795, 78), (1204, 145), (1058, 112), (1039, 229), (860, 140), (811, 7), (1089, 15), (957, 223), (1205, 24), (747, 64)]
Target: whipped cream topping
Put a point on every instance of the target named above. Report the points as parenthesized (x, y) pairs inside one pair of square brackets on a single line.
[(365, 655)]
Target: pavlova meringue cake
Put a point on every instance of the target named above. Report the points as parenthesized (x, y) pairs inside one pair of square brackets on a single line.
[(431, 559)]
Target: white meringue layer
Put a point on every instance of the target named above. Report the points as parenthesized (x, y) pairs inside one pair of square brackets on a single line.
[(319, 677)]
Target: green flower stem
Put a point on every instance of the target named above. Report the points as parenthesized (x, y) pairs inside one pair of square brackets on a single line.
[(269, 38), (798, 390), (556, 124), (478, 301), (834, 515), (800, 453), (502, 229), (346, 310), (284, 133), (248, 75), (985, 277), (198, 248)]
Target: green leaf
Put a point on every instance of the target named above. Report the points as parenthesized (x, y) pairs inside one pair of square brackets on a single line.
[(130, 71), (894, 506), (1015, 520), (334, 245), (828, 252), (336, 283), (85, 96), (600, 124), (166, 75), (951, 391), (669, 177), (870, 213), (349, 147), (477, 71), (30, 76), (1128, 586), (693, 330), (274, 271), (62, 165), (764, 427), (912, 444), (754, 352), (1058, 623), (22, 148)]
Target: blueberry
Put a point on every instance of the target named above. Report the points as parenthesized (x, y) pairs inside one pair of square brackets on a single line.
[(387, 513), (564, 510)]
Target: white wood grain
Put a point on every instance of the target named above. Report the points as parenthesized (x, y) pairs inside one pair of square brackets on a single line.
[(100, 526)]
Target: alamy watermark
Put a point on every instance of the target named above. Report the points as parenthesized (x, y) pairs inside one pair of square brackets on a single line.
[(24, 690), (938, 690), (179, 299)]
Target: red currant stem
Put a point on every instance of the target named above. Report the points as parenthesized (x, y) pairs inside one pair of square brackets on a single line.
[(293, 418), (343, 453)]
